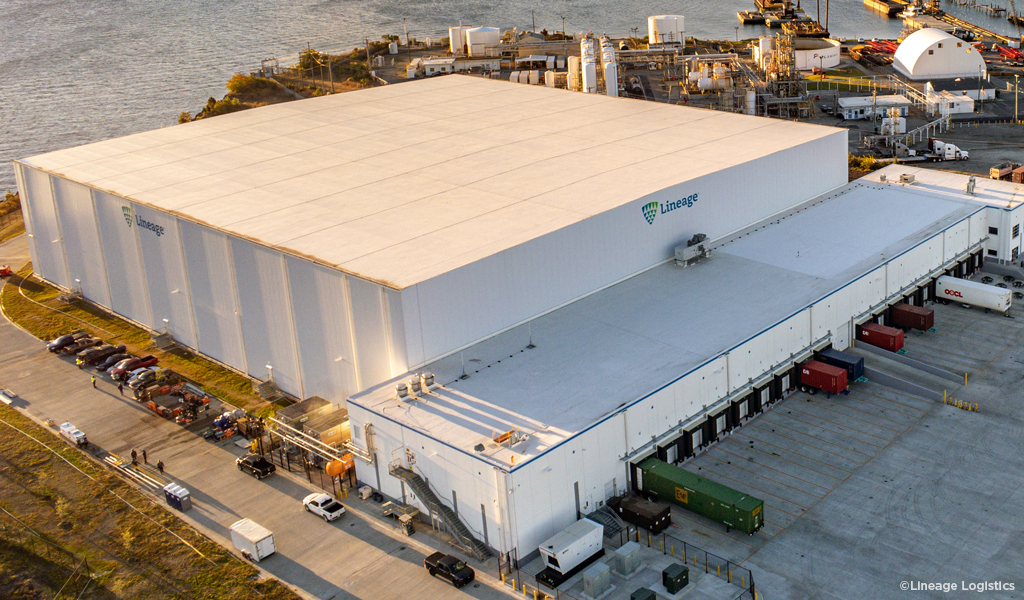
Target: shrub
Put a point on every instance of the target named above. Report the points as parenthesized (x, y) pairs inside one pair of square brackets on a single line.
[(246, 84)]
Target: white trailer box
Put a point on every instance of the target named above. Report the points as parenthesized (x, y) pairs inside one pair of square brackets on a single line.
[(255, 540), (973, 293), (73, 434), (572, 546)]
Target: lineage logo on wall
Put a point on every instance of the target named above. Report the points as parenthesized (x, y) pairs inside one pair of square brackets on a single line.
[(650, 211), (127, 211)]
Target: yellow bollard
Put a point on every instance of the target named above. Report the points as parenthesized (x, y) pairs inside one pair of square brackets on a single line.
[(502, 579), (719, 570), (672, 551), (513, 584), (743, 581), (730, 576), (661, 545), (524, 589), (648, 540), (695, 560), (943, 396), (965, 378), (534, 594), (707, 567)]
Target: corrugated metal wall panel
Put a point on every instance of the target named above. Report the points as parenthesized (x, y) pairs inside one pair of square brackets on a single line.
[(323, 330), (371, 340), (164, 267), (26, 211), (412, 327), (121, 256), (211, 283), (266, 311), (396, 332), (81, 239), (49, 246)]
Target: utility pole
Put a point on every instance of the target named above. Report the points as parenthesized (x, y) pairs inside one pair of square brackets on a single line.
[(533, 17), (309, 55), (1016, 97), (563, 28)]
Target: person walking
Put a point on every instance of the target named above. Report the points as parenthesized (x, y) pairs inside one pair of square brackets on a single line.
[(93, 381), (120, 387), (144, 461), (135, 459), (160, 466)]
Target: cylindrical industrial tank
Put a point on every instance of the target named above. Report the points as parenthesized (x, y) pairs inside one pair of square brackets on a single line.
[(751, 104), (611, 79), (589, 76), (575, 73), (457, 38), (534, 77), (719, 70), (694, 76), (514, 77), (478, 38), (549, 79), (428, 41), (663, 29), (705, 84), (705, 71), (393, 48)]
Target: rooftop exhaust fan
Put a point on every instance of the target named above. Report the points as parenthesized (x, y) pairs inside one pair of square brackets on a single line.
[(695, 249)]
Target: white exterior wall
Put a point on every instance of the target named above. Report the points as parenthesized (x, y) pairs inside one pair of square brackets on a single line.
[(542, 501), (1004, 242), (242, 304), (81, 239), (212, 291), (470, 303)]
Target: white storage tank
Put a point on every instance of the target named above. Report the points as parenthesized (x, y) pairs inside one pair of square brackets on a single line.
[(514, 77), (575, 73), (666, 29), (693, 76), (479, 38), (457, 39), (534, 77), (611, 79), (549, 79), (589, 76), (393, 48), (750, 106), (706, 84)]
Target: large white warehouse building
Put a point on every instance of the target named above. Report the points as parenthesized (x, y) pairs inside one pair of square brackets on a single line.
[(515, 242)]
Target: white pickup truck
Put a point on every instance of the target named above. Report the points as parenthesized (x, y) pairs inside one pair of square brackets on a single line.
[(74, 435)]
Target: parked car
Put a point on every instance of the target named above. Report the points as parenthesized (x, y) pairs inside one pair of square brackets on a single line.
[(323, 505), (112, 360), (142, 377), (449, 568), (64, 341), (80, 345), (121, 371), (97, 354)]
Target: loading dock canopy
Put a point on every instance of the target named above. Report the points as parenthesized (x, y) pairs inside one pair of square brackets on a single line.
[(597, 355)]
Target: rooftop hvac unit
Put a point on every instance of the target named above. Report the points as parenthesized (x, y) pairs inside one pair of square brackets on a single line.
[(695, 249), (907, 179)]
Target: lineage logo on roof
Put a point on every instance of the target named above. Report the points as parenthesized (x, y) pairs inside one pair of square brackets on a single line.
[(652, 209), (142, 223), (127, 212)]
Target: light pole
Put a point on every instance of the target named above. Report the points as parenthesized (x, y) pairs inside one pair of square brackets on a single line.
[(1016, 97), (737, 28), (563, 28)]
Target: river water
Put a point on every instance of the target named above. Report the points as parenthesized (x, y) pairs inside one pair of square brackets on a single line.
[(74, 72)]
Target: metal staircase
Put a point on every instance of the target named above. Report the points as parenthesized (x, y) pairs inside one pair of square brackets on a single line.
[(612, 523), (447, 516)]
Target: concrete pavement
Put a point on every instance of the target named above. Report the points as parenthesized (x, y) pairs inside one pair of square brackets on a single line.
[(353, 557)]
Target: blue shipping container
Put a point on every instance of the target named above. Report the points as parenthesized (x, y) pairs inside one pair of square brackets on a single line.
[(854, 365)]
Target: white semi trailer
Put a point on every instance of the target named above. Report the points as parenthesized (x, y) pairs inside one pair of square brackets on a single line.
[(971, 292)]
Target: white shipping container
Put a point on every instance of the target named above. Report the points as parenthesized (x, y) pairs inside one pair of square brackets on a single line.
[(572, 546), (252, 538), (973, 293)]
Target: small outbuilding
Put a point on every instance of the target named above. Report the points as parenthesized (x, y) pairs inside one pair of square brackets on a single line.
[(934, 54)]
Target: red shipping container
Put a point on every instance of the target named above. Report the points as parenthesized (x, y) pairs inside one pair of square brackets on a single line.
[(824, 377), (909, 316), (887, 338)]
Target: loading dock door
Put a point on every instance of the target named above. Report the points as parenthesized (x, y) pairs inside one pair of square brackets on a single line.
[(721, 422), (692, 439), (672, 454)]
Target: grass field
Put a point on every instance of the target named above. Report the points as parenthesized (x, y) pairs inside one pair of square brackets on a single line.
[(46, 317), (103, 538)]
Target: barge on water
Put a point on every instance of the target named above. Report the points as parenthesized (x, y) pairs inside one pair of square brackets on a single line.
[(750, 17), (891, 8)]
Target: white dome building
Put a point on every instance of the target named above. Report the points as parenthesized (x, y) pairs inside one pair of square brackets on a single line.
[(934, 54)]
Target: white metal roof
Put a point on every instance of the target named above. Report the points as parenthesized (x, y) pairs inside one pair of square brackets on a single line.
[(934, 54), (250, 530), (604, 351), (988, 192), (401, 183), (865, 101)]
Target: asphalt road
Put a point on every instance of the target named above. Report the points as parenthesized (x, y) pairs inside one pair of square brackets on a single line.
[(353, 557)]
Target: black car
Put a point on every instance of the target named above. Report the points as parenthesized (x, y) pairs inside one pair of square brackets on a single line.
[(65, 340), (449, 568), (256, 465), (112, 360), (98, 354)]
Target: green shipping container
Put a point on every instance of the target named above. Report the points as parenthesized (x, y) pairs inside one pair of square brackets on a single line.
[(701, 495)]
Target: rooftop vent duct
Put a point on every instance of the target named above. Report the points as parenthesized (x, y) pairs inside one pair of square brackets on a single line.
[(401, 391)]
